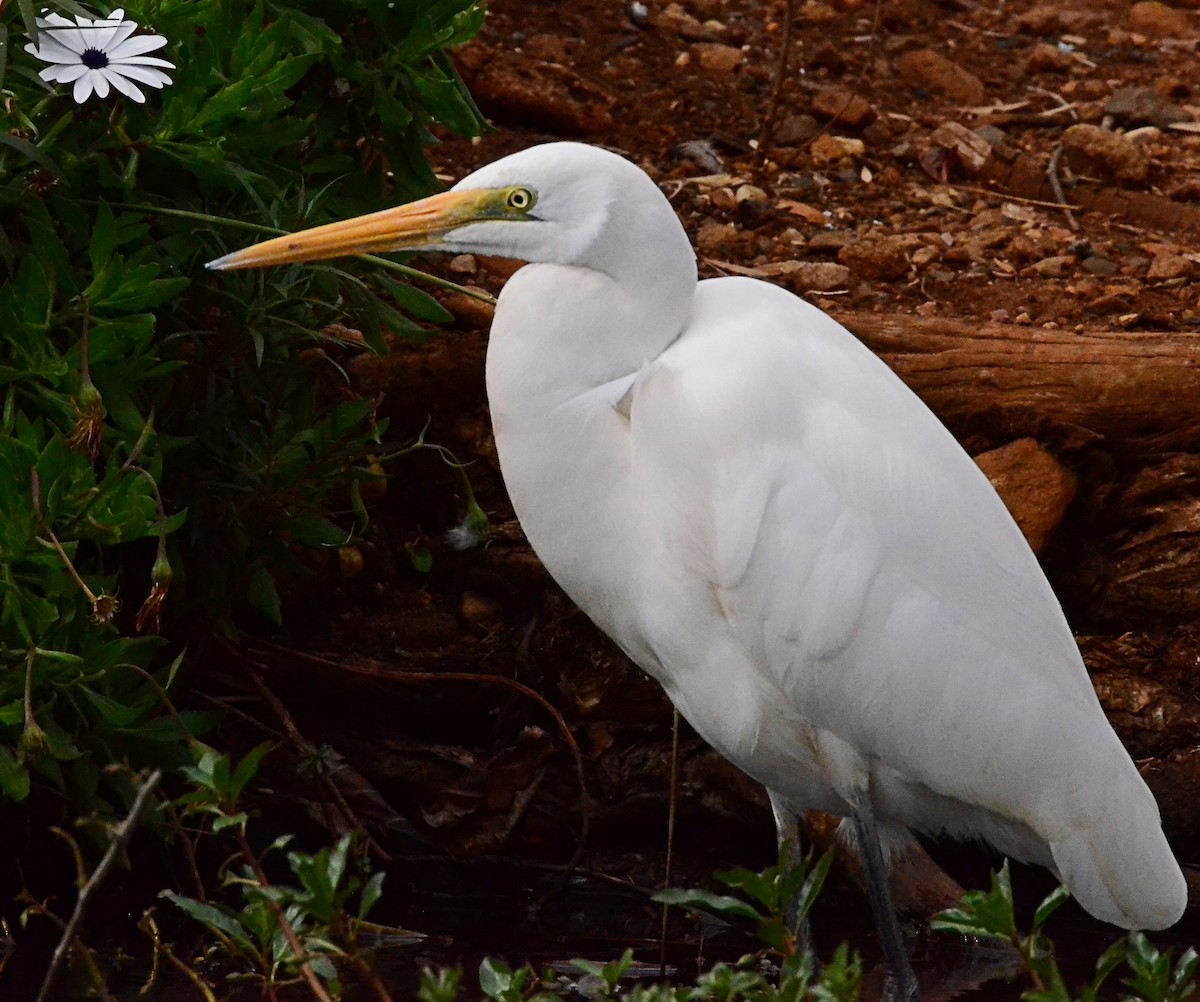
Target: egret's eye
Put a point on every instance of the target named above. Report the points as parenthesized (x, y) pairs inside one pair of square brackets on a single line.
[(520, 199)]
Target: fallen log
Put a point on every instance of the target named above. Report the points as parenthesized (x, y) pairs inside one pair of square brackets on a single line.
[(1136, 391)]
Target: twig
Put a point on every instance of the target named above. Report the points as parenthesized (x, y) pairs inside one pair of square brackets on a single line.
[(785, 46), (1056, 186), (672, 794), (281, 712), (85, 955), (120, 839), (148, 926), (1009, 197), (468, 676), (293, 941)]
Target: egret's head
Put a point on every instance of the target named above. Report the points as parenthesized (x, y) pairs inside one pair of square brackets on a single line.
[(549, 203)]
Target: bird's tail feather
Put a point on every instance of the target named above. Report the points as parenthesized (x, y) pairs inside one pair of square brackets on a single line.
[(1123, 873)]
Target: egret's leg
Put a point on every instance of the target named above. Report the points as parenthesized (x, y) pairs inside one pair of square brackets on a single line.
[(902, 985), (787, 831)]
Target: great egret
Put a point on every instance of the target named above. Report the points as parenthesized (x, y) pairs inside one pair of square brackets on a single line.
[(772, 525)]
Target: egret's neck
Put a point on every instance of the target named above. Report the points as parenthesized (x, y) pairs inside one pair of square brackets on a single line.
[(565, 344)]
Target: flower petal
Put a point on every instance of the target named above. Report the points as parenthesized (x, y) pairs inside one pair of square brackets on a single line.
[(142, 74), (136, 46), (67, 74), (83, 87), (100, 82), (124, 30), (126, 87), (144, 61), (103, 35), (52, 51), (67, 36), (119, 15)]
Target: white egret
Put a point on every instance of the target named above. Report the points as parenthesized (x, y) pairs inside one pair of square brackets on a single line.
[(765, 519)]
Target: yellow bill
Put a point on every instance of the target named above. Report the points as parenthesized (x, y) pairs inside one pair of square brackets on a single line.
[(406, 227)]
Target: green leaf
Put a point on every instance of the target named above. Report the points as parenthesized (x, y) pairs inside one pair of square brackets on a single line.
[(1053, 901), (495, 978), (719, 904), (263, 597), (246, 769), (214, 917), (14, 777), (371, 893)]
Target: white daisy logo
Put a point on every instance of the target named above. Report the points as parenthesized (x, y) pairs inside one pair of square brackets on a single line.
[(94, 54)]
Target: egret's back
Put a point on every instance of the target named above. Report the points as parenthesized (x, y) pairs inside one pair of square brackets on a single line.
[(824, 534)]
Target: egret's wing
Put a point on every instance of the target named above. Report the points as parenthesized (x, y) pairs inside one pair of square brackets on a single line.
[(860, 559)]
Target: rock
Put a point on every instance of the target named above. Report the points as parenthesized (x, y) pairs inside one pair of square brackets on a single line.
[(828, 241), (844, 107), (818, 276), (1168, 266), (1042, 19), (716, 237), (1101, 266), (796, 129), (514, 87), (885, 257), (463, 264), (926, 68), (1185, 189), (1157, 19), (1091, 149), (469, 312), (802, 210), (1035, 487), (1052, 267), (969, 149), (827, 150), (1044, 57), (717, 58), (676, 20), (1141, 105), (749, 194)]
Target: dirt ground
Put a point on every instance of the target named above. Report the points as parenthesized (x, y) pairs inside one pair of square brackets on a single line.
[(1025, 171)]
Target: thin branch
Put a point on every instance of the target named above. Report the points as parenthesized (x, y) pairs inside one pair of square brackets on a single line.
[(297, 947), (785, 48), (1056, 186), (465, 676), (672, 796), (120, 839)]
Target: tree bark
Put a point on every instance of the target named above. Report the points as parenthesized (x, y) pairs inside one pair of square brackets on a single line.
[(1136, 391)]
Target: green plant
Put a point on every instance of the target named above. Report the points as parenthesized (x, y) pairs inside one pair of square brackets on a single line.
[(778, 899), (1151, 976), (274, 930), (171, 444)]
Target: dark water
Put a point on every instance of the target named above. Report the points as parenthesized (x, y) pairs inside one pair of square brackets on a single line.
[(522, 916)]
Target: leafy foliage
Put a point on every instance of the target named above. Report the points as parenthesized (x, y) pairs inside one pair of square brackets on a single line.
[(275, 928), (171, 440), (990, 915)]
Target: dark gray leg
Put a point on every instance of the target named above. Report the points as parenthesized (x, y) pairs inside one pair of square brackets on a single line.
[(901, 983)]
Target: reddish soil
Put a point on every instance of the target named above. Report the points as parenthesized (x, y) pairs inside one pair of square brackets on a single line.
[(930, 195)]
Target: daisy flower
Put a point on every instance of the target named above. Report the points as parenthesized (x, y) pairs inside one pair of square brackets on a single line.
[(96, 54)]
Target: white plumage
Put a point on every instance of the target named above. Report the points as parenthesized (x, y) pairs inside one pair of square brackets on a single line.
[(772, 525)]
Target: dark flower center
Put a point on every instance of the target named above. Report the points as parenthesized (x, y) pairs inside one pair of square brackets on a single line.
[(94, 59)]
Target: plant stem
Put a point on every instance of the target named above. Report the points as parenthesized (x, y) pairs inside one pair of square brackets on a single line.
[(314, 983), (120, 838)]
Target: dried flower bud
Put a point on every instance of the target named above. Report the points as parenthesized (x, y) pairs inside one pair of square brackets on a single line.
[(89, 421), (149, 616), (104, 607)]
